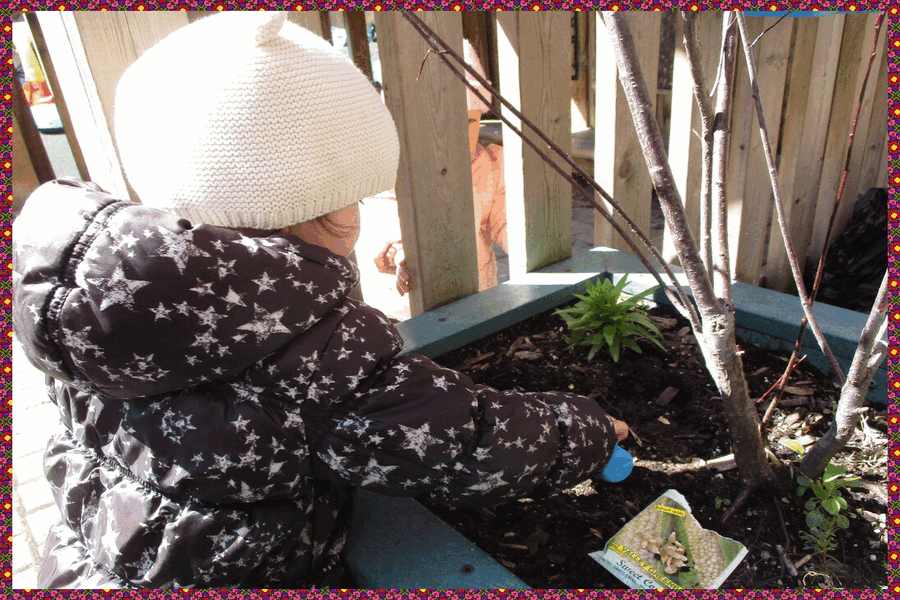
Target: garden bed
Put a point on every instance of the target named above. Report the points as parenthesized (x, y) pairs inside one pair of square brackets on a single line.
[(669, 400)]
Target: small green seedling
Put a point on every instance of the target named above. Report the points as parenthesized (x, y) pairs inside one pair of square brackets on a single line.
[(606, 318), (722, 502), (824, 516)]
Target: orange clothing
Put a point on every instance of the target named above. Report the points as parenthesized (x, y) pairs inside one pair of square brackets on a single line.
[(489, 194)]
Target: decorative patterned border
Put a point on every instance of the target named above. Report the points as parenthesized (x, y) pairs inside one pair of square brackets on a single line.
[(6, 78)]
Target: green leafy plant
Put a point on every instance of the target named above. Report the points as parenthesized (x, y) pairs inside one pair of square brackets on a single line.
[(604, 317), (722, 502), (825, 506), (824, 516)]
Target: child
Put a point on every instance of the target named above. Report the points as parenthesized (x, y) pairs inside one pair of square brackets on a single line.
[(220, 396), (488, 191)]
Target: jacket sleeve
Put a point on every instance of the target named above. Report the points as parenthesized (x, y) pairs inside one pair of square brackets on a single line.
[(424, 429)]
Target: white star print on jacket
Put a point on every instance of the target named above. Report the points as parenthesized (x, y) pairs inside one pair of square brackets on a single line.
[(221, 397)]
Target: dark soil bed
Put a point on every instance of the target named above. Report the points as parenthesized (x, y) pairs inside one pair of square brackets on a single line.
[(671, 404)]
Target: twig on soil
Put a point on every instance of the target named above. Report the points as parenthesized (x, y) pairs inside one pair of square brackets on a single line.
[(739, 502), (782, 551), (786, 562)]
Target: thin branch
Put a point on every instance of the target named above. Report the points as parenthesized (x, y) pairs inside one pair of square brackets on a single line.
[(821, 266), (692, 50), (721, 272), (680, 299), (770, 28), (837, 201), (652, 145), (779, 205)]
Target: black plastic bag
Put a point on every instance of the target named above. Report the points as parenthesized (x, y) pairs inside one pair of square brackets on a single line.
[(857, 258)]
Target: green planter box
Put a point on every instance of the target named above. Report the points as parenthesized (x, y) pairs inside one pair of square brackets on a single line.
[(397, 543)]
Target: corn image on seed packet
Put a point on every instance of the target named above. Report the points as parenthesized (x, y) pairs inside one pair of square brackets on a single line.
[(664, 547)]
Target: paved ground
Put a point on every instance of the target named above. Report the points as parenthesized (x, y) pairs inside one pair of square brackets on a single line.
[(35, 418)]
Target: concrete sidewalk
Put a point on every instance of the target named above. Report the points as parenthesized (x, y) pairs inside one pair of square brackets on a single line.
[(35, 419)]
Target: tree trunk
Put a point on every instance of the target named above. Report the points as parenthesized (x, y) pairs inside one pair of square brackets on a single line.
[(717, 340)]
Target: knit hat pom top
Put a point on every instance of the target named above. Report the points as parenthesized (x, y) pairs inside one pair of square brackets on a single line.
[(244, 119)]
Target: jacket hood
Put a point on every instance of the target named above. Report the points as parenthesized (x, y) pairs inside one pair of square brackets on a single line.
[(129, 301)]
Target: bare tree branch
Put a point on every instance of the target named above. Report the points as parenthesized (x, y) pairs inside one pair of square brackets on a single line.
[(779, 205), (721, 272), (792, 362), (692, 50), (717, 340), (868, 357), (660, 173)]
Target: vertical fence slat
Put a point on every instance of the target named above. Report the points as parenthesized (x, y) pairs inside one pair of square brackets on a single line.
[(796, 121), (582, 94), (58, 97), (871, 174), (772, 52), (89, 124), (308, 19), (434, 179), (358, 41), (31, 165), (685, 147), (809, 158), (856, 184), (855, 47), (538, 200), (619, 165), (25, 179)]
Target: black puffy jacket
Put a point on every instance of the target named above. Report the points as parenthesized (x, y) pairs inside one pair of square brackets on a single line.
[(220, 397)]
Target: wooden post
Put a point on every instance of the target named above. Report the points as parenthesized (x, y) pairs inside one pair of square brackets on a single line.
[(358, 41), (532, 50), (582, 94), (685, 147), (308, 19), (31, 165), (434, 178), (854, 53), (619, 165), (58, 98), (90, 50), (750, 233), (25, 179)]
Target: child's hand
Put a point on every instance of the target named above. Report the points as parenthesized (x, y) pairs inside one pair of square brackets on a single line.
[(621, 429), (385, 261), (402, 273)]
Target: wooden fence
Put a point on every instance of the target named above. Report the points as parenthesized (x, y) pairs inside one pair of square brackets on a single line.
[(557, 67)]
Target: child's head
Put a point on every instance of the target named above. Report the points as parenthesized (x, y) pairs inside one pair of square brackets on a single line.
[(244, 120)]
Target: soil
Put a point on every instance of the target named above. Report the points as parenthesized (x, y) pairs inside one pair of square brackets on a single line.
[(671, 405)]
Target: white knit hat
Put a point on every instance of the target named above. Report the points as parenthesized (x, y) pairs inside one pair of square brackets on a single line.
[(244, 120)]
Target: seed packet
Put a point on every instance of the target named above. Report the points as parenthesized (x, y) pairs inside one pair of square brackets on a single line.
[(664, 547)]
